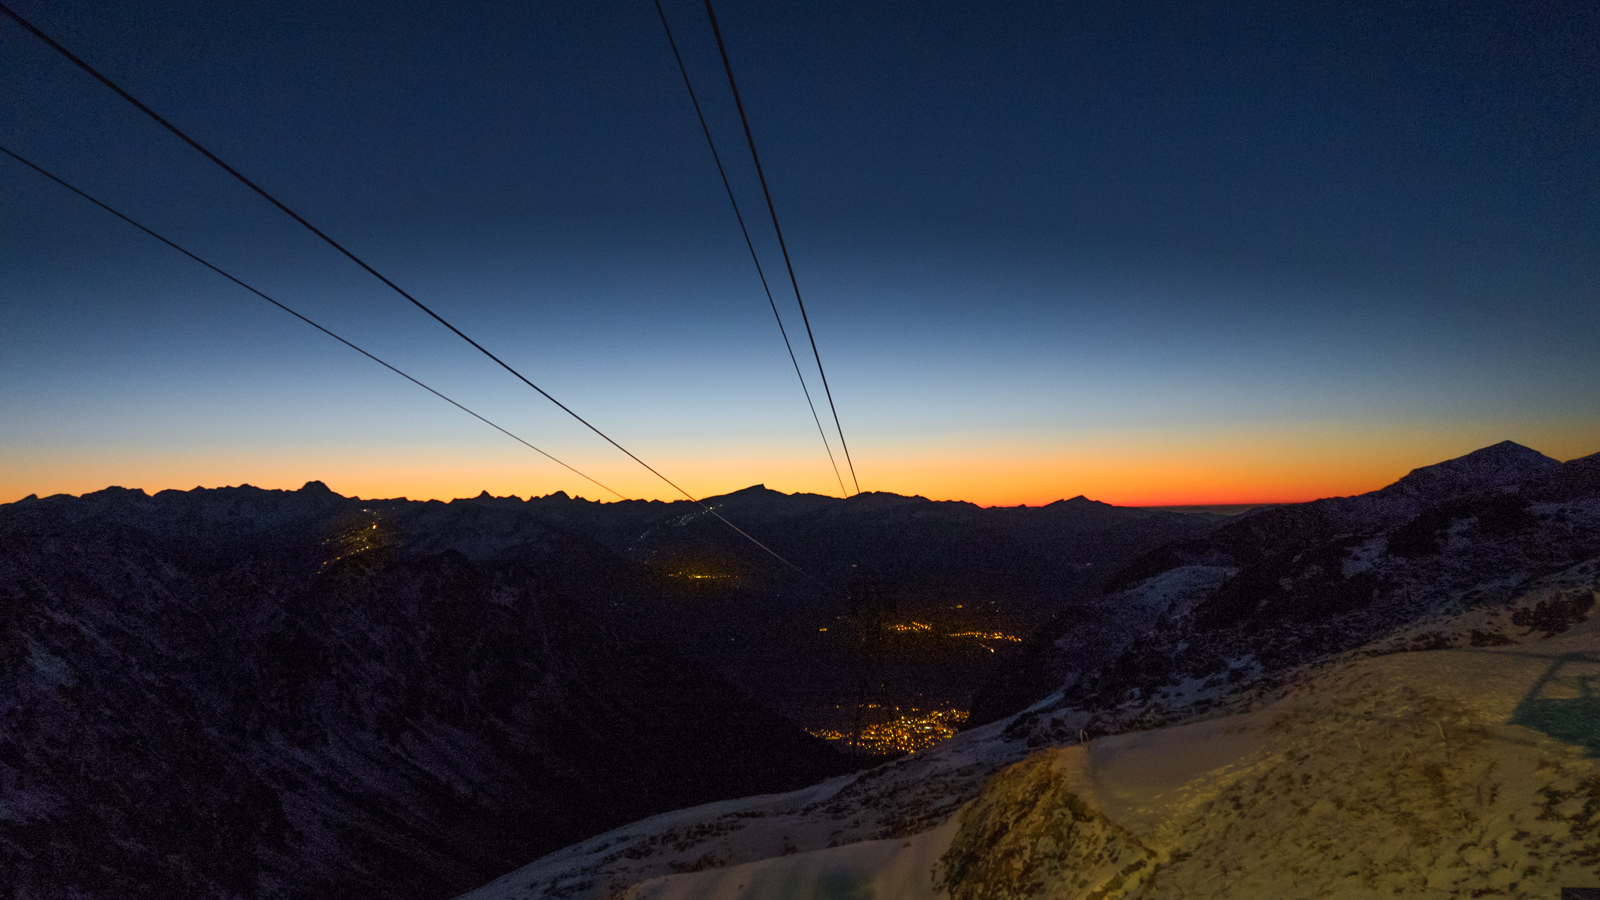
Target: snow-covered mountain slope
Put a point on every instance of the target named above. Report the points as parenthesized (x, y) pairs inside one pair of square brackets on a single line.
[(1394, 694), (884, 806), (1463, 772), (1198, 620), (1449, 773)]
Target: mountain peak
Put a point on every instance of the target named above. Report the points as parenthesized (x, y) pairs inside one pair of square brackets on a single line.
[(1081, 501), (316, 487), (115, 491), (1497, 467)]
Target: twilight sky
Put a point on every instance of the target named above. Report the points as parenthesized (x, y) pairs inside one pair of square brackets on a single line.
[(1154, 253)]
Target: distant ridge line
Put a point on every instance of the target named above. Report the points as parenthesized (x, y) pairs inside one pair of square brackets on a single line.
[(376, 274), (302, 318)]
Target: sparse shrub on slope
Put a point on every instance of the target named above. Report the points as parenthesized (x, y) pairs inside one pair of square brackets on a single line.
[(1555, 615)]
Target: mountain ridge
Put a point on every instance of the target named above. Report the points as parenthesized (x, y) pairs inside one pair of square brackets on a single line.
[(407, 696), (1279, 587), (1361, 697), (234, 693)]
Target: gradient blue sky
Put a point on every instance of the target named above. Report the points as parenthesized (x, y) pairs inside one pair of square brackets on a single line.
[(1152, 253)]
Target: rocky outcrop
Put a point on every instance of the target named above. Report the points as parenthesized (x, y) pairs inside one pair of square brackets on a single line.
[(1028, 835)]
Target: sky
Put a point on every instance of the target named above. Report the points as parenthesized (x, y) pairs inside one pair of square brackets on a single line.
[(1150, 253)]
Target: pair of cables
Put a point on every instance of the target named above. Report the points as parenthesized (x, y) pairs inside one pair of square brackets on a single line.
[(28, 26), (755, 157), (64, 183)]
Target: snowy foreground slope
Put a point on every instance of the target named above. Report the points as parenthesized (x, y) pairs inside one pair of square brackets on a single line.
[(1385, 771)]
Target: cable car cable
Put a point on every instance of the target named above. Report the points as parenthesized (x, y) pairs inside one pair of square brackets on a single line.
[(58, 180), (748, 243), (376, 274), (750, 139)]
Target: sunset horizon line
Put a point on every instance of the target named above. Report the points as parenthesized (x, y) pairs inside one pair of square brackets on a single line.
[(1188, 505), (1214, 484)]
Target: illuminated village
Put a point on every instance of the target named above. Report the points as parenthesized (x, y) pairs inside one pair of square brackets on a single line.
[(360, 535), (911, 730)]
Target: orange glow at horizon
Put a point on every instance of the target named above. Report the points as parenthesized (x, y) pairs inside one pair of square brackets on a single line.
[(1123, 470)]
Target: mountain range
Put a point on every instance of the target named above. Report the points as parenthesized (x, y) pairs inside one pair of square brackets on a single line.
[(239, 692), (1395, 694)]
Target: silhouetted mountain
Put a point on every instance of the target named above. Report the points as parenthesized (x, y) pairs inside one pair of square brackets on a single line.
[(954, 566), (1032, 554), (1385, 695), (1501, 467), (1284, 586), (246, 693), (1575, 479)]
